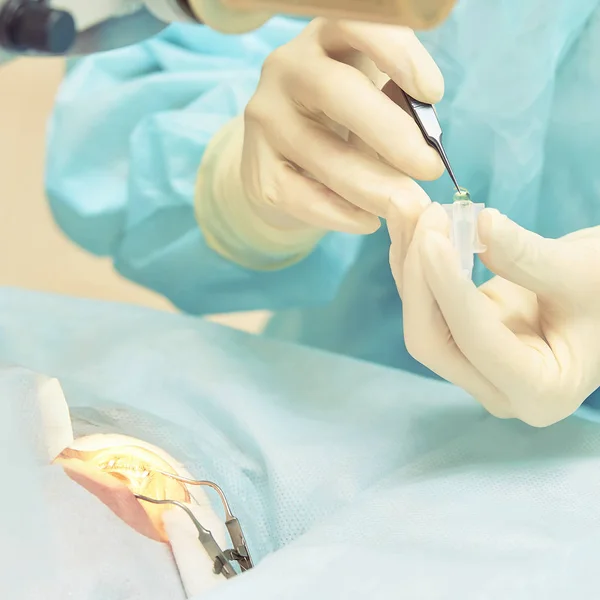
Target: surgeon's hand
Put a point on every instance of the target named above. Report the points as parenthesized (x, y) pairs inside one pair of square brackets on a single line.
[(313, 93), (320, 147), (527, 343)]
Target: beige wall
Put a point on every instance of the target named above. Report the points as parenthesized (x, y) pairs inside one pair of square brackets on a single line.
[(35, 254)]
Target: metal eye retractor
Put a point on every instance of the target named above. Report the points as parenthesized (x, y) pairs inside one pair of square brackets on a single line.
[(222, 559)]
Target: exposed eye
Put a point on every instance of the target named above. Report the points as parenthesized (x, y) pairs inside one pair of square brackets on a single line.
[(116, 473)]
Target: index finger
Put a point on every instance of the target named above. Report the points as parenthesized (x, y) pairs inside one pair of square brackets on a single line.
[(396, 51)]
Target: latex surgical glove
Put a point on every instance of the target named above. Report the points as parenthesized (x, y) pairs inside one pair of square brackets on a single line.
[(527, 343), (320, 147), (218, 16)]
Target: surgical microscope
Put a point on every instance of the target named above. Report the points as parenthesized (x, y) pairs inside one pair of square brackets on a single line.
[(78, 27)]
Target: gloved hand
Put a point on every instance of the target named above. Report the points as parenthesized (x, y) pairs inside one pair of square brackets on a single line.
[(218, 16), (527, 343), (320, 147)]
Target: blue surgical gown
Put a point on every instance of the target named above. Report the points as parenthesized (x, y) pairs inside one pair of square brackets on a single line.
[(130, 127)]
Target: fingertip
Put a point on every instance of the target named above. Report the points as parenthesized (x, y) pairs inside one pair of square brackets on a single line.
[(437, 254), (394, 214), (395, 229), (330, 212), (430, 82), (434, 218), (431, 165), (423, 163), (422, 197), (433, 244), (406, 206), (426, 75), (409, 65), (355, 220), (372, 227), (404, 212), (501, 413), (485, 224), (440, 90), (367, 224), (352, 226), (410, 204), (437, 210), (396, 258), (499, 235)]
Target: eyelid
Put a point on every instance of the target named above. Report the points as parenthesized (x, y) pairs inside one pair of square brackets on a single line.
[(137, 467)]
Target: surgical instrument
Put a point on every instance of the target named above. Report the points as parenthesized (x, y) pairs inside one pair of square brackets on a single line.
[(221, 558), (240, 547), (462, 212), (73, 27), (218, 556), (426, 118)]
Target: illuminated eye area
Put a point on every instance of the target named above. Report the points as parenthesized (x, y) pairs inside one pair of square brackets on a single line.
[(138, 468), (134, 467)]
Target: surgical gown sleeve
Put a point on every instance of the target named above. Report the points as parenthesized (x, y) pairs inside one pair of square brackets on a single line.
[(126, 139)]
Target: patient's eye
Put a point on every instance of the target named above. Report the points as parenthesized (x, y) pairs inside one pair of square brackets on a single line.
[(135, 467), (139, 468)]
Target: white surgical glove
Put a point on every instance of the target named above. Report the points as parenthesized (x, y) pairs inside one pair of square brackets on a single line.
[(320, 147), (527, 343), (227, 20)]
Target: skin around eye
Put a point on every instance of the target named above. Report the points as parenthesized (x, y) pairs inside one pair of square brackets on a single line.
[(116, 473)]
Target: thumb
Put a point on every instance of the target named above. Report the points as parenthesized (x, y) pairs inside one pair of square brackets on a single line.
[(521, 256)]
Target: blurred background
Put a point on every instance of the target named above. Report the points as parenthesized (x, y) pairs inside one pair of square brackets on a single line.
[(34, 253)]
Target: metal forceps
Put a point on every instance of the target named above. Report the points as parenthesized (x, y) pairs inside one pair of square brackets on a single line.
[(426, 117), (221, 558)]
